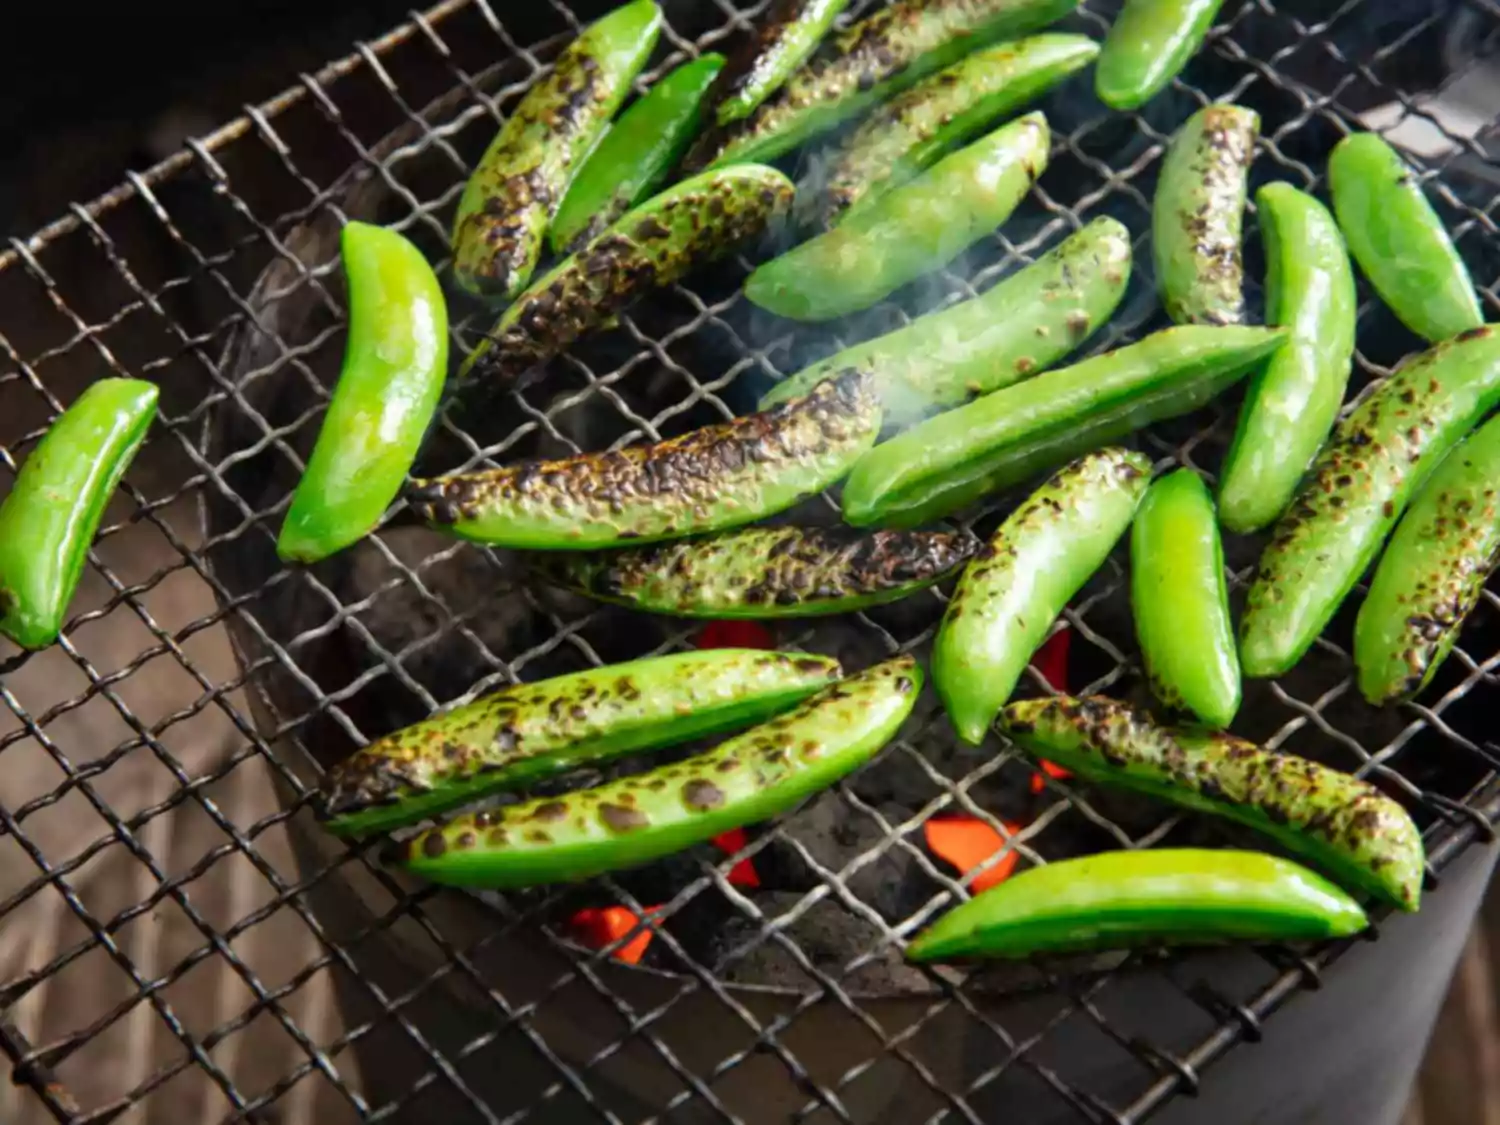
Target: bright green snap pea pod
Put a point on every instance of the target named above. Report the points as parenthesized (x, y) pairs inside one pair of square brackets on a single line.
[(1339, 823), (1011, 593), (917, 228), (1197, 216), (1148, 45), (394, 367), (1017, 328), (1356, 490), (748, 778), (713, 478), (49, 520), (636, 155), (1181, 601), (915, 129), (1398, 239), (880, 55), (1432, 572), (957, 458), (524, 174), (659, 242), (766, 571), (523, 734), (785, 37), (1292, 403), (1121, 900)]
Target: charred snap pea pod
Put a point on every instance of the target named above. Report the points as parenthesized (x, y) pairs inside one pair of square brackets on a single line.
[(880, 55), (1148, 45), (394, 367), (1432, 573), (1398, 239), (750, 777), (766, 571), (1197, 215), (1181, 600), (49, 520), (714, 478), (957, 458), (659, 242), (522, 734), (1011, 593), (786, 36), (1376, 460), (918, 227), (940, 113), (636, 154), (1121, 900), (523, 175), (1343, 825), (1292, 404), (1019, 327)]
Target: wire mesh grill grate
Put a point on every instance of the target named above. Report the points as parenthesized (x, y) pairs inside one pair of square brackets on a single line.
[(174, 932)]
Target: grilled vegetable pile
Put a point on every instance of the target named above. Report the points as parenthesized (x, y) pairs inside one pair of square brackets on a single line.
[(970, 403)]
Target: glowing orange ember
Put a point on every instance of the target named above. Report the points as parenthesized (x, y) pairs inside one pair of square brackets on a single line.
[(735, 634), (599, 926), (964, 842), (1051, 662), (743, 873), (1038, 782)]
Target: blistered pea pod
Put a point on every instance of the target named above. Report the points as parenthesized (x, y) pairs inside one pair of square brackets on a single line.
[(784, 38)]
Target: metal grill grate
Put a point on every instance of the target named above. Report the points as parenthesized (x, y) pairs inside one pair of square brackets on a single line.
[(174, 927)]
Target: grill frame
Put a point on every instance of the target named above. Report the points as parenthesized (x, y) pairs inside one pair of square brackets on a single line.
[(1460, 821)]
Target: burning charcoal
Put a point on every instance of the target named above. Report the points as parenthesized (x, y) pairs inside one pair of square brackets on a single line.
[(835, 833)]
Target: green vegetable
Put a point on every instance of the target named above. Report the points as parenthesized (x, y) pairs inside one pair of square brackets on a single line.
[(1181, 600), (524, 174), (917, 228), (1398, 239), (915, 129), (1432, 573), (713, 478), (1148, 45), (1346, 826), (784, 38), (751, 777), (1197, 214), (1378, 457), (49, 520), (659, 242), (1292, 404), (765, 571), (1020, 327), (523, 734), (636, 154), (1011, 593), (1119, 900), (957, 458), (874, 58), (394, 366)]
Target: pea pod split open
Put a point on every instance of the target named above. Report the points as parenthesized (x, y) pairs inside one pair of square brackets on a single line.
[(1343, 825), (948, 462), (1015, 329), (750, 777), (523, 175), (914, 229), (394, 366), (784, 38), (659, 242), (1378, 457), (1011, 593), (50, 518), (1432, 573), (765, 572), (529, 732), (865, 64), (916, 128), (712, 478), (1120, 900)]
